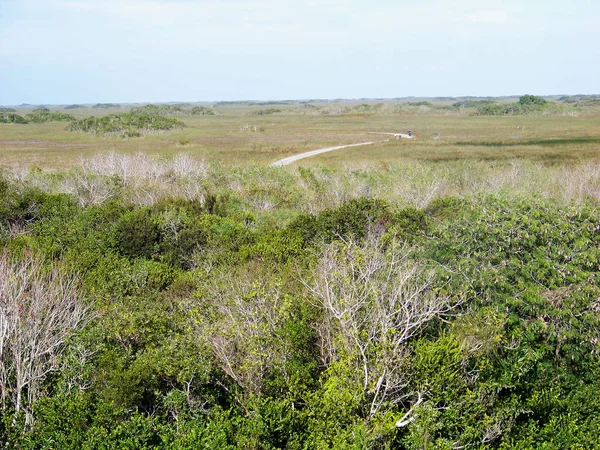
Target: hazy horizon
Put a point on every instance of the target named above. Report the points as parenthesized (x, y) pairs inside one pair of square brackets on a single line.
[(140, 51), (290, 100)]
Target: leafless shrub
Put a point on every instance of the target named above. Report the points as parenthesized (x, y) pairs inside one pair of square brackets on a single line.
[(144, 179), (250, 128), (243, 333), (88, 188), (582, 182), (263, 204), (373, 302), (185, 166), (38, 311)]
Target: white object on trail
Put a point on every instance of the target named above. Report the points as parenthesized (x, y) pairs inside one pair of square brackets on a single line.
[(291, 159), (396, 135)]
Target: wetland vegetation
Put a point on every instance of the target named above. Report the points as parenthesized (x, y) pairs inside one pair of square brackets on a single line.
[(441, 292)]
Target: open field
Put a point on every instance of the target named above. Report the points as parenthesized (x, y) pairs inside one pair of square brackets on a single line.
[(240, 135)]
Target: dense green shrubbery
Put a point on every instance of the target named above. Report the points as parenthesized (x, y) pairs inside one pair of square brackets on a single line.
[(161, 110), (125, 124), (266, 111), (12, 118), (7, 110), (202, 111), (352, 219), (45, 115), (527, 105), (172, 110), (211, 328), (41, 115), (529, 99)]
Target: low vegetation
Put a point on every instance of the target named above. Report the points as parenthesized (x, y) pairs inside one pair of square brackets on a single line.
[(466, 104), (266, 111), (202, 111), (527, 105), (45, 115), (36, 116), (106, 105), (12, 118), (434, 293), (125, 124), (238, 310), (581, 100), (162, 110), (173, 110)]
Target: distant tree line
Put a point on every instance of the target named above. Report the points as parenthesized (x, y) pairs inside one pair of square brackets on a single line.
[(125, 124)]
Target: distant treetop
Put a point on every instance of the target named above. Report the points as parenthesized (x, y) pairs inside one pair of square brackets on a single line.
[(529, 99)]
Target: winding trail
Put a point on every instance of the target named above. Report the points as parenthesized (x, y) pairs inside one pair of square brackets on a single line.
[(291, 159)]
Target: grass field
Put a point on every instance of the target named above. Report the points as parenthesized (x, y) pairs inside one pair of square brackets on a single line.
[(242, 134)]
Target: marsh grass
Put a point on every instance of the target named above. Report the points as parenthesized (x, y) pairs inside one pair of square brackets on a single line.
[(221, 139), (287, 191)]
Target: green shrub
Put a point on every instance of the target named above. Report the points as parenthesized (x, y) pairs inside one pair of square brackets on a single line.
[(527, 105), (445, 207), (352, 219), (409, 223), (161, 110), (137, 234), (125, 124), (266, 111), (45, 115), (202, 111), (12, 118), (529, 99)]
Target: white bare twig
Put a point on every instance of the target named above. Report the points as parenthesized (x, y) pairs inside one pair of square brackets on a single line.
[(37, 313), (374, 300)]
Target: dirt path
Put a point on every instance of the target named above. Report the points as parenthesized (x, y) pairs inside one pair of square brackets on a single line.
[(291, 159)]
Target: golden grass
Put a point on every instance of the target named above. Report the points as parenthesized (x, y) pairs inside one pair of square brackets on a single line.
[(227, 139)]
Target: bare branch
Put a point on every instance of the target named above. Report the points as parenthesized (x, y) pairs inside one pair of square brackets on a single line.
[(37, 313), (373, 300)]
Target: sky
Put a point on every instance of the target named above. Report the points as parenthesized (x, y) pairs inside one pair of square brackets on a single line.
[(98, 51)]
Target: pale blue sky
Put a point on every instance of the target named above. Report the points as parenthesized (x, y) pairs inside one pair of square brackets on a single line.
[(88, 51)]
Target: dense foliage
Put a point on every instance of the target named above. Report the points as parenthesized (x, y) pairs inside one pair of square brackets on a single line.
[(12, 118), (173, 110), (527, 105), (163, 110), (202, 111), (367, 325), (125, 124), (36, 116), (45, 115)]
